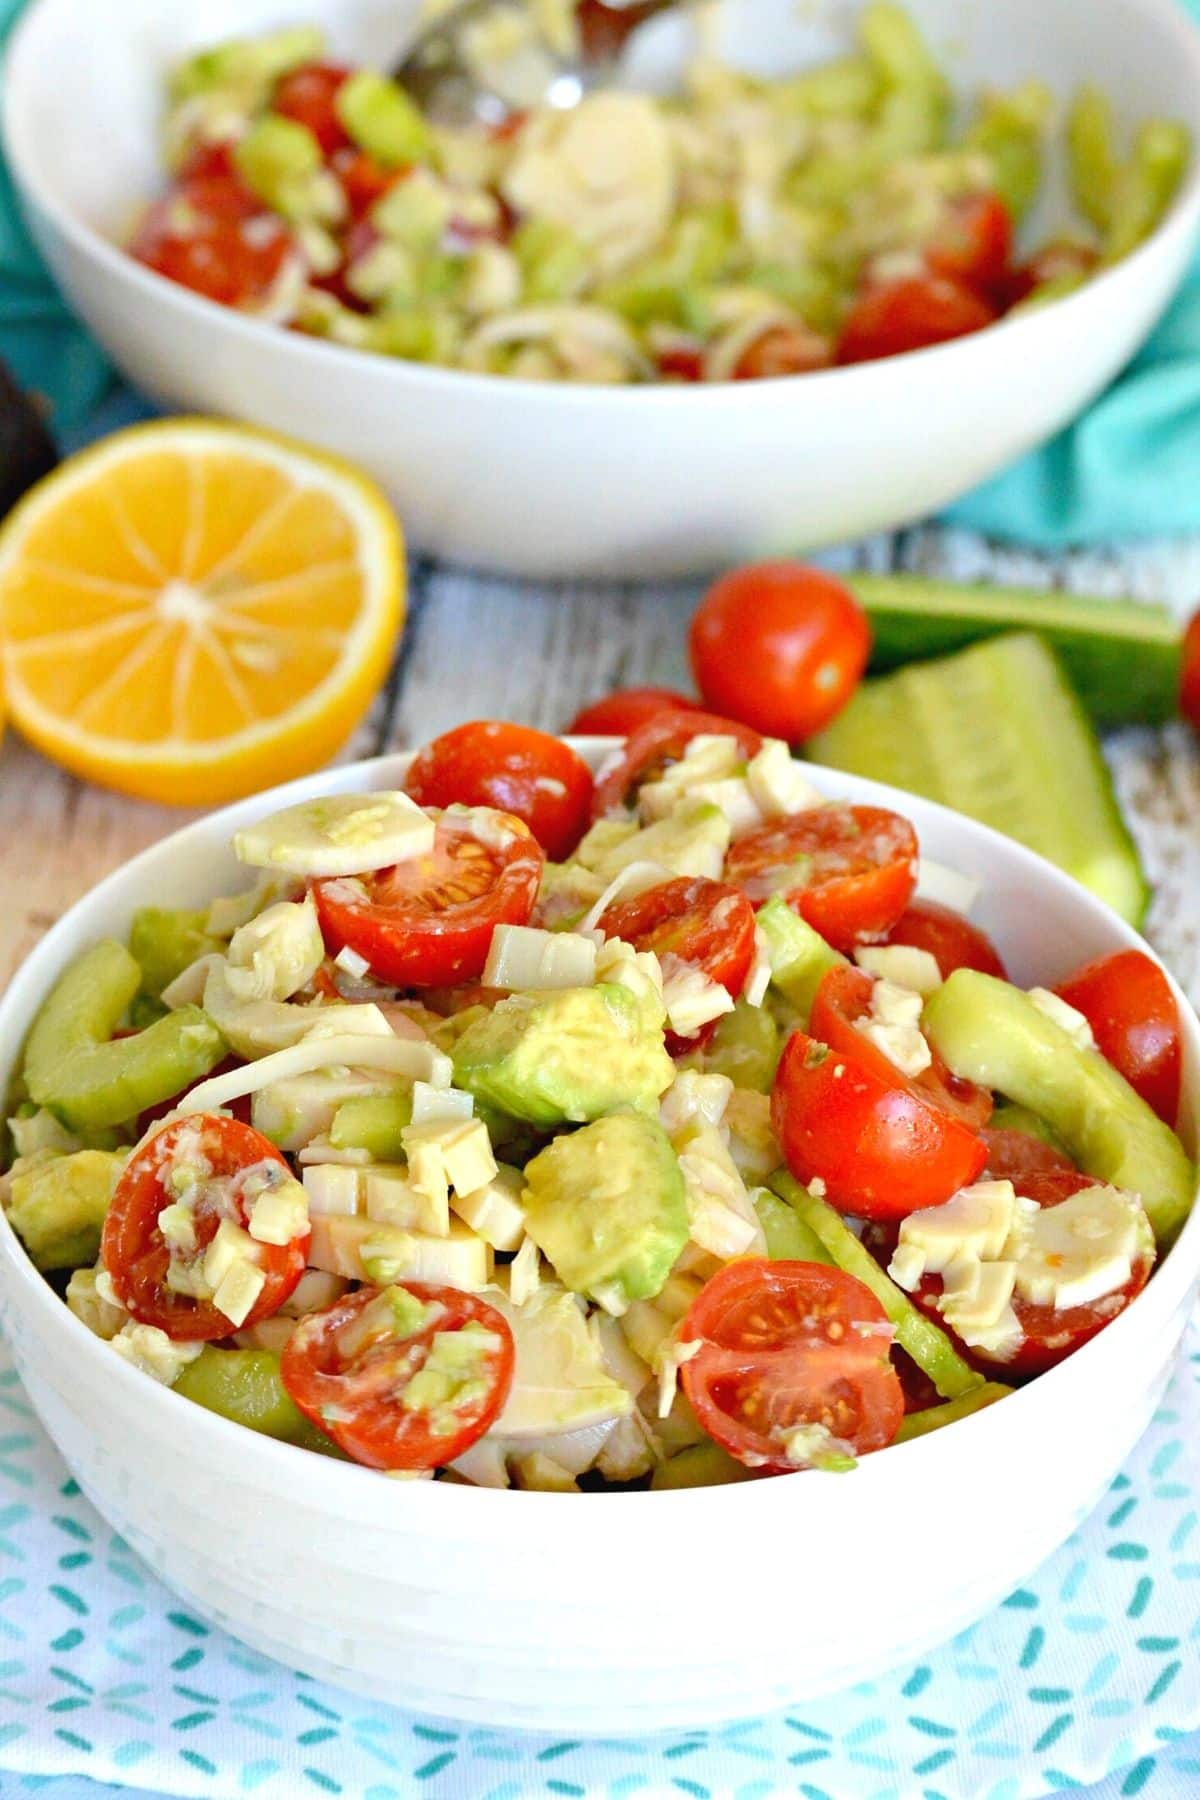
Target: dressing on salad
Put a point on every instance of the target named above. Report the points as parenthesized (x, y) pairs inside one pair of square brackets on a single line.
[(743, 228), (718, 1147)]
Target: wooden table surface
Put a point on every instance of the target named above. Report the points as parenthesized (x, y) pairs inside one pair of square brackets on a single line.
[(477, 647)]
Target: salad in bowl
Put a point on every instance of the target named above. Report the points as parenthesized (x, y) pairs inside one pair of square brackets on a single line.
[(666, 1126)]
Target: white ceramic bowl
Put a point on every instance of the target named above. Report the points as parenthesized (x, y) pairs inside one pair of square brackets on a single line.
[(603, 1612), (535, 479)]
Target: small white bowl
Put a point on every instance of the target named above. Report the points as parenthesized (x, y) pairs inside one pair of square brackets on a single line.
[(597, 1613), (537, 479)]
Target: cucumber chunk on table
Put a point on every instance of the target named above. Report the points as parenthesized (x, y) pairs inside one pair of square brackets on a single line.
[(997, 732)]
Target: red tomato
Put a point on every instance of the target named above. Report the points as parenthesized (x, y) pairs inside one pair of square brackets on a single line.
[(212, 236), (515, 769), (136, 1254), (779, 645), (1127, 1001), (843, 999), (1014, 1155), (1189, 693), (428, 922), (658, 742), (849, 870), (882, 1146), (681, 365), (952, 941), (307, 95), (974, 244), (364, 181), (784, 1345), (203, 161), (348, 1367), (701, 922), (620, 714), (604, 29), (910, 315), (782, 350)]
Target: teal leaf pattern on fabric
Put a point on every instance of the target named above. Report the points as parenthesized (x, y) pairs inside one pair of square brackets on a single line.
[(1092, 1665)]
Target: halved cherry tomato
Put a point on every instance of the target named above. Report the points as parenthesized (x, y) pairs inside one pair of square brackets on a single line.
[(1014, 1155), (849, 870), (307, 95), (883, 1146), (348, 1368), (974, 244), (660, 741), (428, 922), (223, 1153), (1127, 1001), (204, 160), (910, 315), (702, 922), (843, 999), (779, 645), (364, 181), (952, 941), (782, 350), (211, 235), (1189, 690), (515, 769), (620, 714), (681, 364), (785, 1345)]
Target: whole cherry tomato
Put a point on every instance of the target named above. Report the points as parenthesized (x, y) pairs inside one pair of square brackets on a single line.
[(535, 777), (620, 714)]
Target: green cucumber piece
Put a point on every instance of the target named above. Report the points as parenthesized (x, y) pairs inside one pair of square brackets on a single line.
[(924, 1341), (244, 1385), (997, 732), (993, 1034), (164, 943), (1124, 659), (788, 1237), (799, 956), (918, 1424), (745, 1047), (1010, 1117), (88, 1078), (701, 1465)]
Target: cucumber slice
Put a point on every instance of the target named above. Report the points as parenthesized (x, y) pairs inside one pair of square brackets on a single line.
[(997, 732), (1124, 659), (918, 1424), (924, 1341)]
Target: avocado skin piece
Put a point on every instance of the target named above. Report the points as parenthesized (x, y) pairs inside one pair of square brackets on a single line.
[(57, 1208), (606, 1206), (27, 450), (572, 1054)]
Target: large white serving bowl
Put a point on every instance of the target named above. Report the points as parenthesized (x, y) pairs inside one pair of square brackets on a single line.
[(535, 479), (602, 1613)]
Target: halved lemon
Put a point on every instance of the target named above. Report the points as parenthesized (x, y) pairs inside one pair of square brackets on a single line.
[(193, 610)]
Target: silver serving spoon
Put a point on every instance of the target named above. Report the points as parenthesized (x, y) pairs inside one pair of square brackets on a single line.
[(454, 89)]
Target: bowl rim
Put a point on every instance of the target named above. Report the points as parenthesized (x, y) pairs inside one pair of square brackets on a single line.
[(1181, 217), (340, 1486)]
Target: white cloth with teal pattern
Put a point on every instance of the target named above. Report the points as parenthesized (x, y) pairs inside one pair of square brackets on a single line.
[(1093, 1666)]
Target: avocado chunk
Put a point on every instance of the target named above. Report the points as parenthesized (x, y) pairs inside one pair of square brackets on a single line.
[(89, 1079), (606, 1206), (993, 1034), (571, 1054), (382, 120), (245, 1386), (166, 942), (57, 1207)]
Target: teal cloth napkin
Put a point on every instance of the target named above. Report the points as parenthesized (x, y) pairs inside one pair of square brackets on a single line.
[(1129, 467)]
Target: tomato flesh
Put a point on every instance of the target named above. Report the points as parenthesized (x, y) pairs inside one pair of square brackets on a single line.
[(910, 315), (883, 1145), (527, 773), (212, 236), (849, 871), (308, 96), (1016, 1155), (952, 941), (138, 1257), (779, 645), (703, 923), (620, 714), (785, 1345), (348, 1369), (428, 922), (974, 245), (1189, 691), (657, 743), (1127, 1001), (782, 350)]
